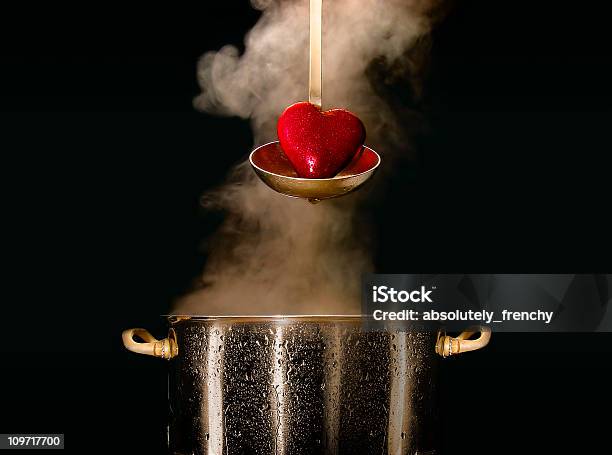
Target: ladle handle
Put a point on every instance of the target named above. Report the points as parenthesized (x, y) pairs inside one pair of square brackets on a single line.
[(165, 349), (315, 80), (447, 345)]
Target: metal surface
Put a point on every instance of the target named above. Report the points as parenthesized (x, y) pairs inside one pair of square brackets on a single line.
[(303, 385), (274, 169)]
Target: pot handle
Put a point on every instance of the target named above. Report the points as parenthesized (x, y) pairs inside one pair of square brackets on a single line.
[(447, 345), (166, 348)]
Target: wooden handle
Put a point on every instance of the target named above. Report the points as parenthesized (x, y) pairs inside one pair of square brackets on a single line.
[(166, 348), (447, 345)]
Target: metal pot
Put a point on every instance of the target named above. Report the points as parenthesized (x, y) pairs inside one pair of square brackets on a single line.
[(300, 385)]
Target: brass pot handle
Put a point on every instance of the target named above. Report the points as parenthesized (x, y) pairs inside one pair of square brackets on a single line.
[(447, 345), (166, 348)]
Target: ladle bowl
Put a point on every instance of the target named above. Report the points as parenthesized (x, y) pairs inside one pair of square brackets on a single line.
[(275, 170)]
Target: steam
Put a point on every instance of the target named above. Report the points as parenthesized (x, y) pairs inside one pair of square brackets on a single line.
[(277, 255)]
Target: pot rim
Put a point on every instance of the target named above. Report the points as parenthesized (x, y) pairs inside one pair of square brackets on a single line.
[(174, 318)]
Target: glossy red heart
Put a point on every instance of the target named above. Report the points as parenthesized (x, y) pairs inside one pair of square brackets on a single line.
[(319, 143)]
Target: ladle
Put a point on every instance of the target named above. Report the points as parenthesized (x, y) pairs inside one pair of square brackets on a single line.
[(275, 170)]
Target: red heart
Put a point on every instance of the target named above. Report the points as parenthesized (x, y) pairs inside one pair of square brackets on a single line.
[(319, 143)]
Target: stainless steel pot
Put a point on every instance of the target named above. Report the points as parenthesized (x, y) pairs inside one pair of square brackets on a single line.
[(300, 385)]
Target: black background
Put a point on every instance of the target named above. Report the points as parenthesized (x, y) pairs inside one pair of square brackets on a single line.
[(104, 160)]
